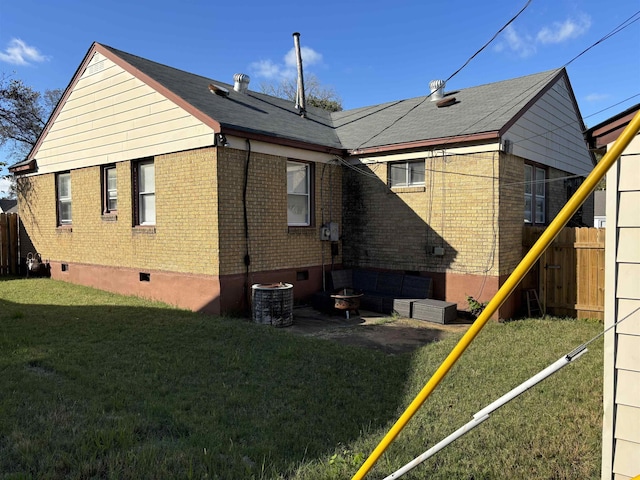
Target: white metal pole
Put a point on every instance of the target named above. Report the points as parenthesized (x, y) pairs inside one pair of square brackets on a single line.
[(483, 414)]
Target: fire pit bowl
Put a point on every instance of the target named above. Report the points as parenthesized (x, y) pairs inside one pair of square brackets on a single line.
[(347, 299)]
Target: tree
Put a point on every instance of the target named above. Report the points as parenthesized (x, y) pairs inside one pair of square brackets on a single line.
[(316, 95), (23, 114)]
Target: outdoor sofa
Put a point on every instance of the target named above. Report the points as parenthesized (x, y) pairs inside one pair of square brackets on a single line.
[(381, 290)]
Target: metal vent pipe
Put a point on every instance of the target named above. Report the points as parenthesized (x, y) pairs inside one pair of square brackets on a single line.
[(300, 100)]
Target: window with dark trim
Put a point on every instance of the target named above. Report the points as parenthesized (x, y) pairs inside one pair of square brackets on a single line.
[(299, 194), (406, 174), (63, 197), (535, 204), (109, 190), (144, 193)]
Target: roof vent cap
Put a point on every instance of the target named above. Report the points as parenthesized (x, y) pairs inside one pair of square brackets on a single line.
[(437, 90), (241, 82)]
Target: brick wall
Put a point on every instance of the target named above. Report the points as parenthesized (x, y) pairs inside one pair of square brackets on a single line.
[(272, 244), (398, 228), (199, 216), (185, 238), (511, 212)]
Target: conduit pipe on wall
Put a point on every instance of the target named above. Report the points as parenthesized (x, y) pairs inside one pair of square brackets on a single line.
[(247, 257), (507, 288)]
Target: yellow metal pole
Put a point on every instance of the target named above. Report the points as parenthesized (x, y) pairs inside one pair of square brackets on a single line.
[(507, 288)]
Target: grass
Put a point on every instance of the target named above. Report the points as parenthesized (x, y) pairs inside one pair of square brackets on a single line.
[(95, 385)]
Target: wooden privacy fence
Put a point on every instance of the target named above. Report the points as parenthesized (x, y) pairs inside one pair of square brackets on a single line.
[(569, 276), (8, 243)]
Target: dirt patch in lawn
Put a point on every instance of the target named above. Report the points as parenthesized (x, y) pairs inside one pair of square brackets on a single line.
[(391, 335)]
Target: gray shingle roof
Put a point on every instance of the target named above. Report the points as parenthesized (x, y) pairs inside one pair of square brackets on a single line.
[(251, 112), (8, 205), (485, 108)]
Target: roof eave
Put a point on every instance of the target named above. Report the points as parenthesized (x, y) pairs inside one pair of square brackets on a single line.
[(432, 142), (23, 167), (601, 135), (287, 142)]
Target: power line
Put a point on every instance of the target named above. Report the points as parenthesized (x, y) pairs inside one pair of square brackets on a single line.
[(489, 42), (626, 23), (450, 76), (616, 30)]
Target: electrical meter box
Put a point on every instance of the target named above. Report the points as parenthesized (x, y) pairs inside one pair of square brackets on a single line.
[(330, 232)]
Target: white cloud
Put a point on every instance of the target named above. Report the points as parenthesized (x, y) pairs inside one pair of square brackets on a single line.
[(524, 45), (309, 57), (5, 184), (266, 69), (288, 68), (521, 45), (597, 97), (559, 32), (19, 53)]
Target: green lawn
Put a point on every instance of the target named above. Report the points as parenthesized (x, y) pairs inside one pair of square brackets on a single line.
[(95, 385)]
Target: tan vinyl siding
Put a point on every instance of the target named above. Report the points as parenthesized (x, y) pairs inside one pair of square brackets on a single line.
[(628, 389), (629, 211), (621, 426), (630, 346), (550, 133), (626, 462), (630, 429), (111, 116)]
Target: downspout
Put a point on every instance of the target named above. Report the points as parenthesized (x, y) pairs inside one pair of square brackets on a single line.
[(247, 258)]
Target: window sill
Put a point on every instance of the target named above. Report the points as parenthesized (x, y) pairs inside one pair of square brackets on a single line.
[(408, 189), (64, 229), (144, 230), (109, 217)]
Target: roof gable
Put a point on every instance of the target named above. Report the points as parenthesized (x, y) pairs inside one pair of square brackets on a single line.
[(249, 112), (108, 114)]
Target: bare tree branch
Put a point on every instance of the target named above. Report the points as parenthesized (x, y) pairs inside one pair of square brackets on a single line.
[(316, 94)]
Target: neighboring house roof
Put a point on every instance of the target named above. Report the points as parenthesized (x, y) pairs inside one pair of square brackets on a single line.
[(8, 205), (609, 130), (479, 113)]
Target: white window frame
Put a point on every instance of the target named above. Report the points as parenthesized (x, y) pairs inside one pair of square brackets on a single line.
[(109, 194), (540, 195), (64, 199), (293, 196), (145, 194), (535, 200), (408, 174)]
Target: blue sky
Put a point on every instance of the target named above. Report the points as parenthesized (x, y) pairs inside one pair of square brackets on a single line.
[(368, 51)]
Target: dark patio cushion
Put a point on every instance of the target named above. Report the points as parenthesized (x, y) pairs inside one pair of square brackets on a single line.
[(414, 286), (365, 280), (389, 283)]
